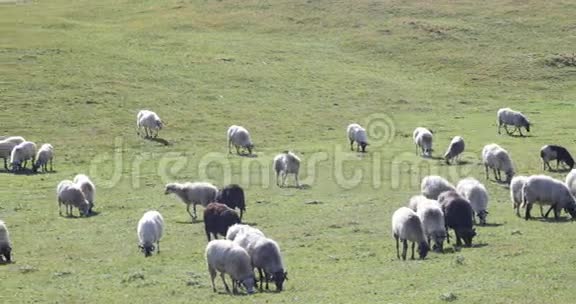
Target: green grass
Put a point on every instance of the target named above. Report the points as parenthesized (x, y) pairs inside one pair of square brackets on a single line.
[(295, 73)]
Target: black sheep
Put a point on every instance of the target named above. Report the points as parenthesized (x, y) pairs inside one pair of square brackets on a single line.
[(218, 218), (233, 197), (558, 153), (458, 216)]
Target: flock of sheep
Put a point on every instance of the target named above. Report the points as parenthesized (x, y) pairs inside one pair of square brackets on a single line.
[(425, 221)]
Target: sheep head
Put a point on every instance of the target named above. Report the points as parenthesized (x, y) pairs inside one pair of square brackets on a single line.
[(5, 251), (423, 249), (147, 249), (467, 235), (278, 278), (363, 146), (482, 216)]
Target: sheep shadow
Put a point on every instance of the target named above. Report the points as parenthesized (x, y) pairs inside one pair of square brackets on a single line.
[(561, 220), (158, 140), (24, 171), (520, 136), (478, 245), (193, 222), (559, 170), (489, 225), (300, 187), (93, 213), (2, 262)]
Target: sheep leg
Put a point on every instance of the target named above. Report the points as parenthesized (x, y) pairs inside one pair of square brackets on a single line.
[(352, 145), (234, 285), (542, 211), (261, 277), (212, 272), (404, 249), (278, 179), (413, 243), (5, 164), (548, 212), (297, 182), (224, 281), (506, 128), (495, 174), (397, 246), (229, 146), (486, 169), (557, 164), (158, 245), (458, 240), (556, 213), (520, 131), (528, 208), (447, 234), (474, 217), (284, 175), (499, 127)]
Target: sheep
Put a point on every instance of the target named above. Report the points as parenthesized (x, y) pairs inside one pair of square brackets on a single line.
[(237, 229), (423, 140), (5, 244), (233, 196), (70, 195), (516, 186), (201, 193), (266, 257), (432, 217), (357, 134), (417, 201), (286, 163), (229, 258), (558, 153), (472, 190), (507, 116), (455, 148), (7, 144), (218, 218), (495, 157), (406, 226), (21, 154), (151, 123), (44, 155), (458, 216), (545, 190), (240, 138), (87, 187), (150, 229), (571, 181), (433, 185)]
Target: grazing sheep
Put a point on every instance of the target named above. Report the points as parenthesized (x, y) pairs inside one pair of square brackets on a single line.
[(5, 244), (433, 185), (545, 190), (21, 154), (44, 155), (87, 187), (455, 148), (150, 229), (233, 196), (151, 123), (558, 153), (266, 257), (357, 134), (7, 144), (229, 258), (472, 190), (218, 218), (406, 226), (286, 163), (240, 138), (70, 195), (238, 229), (432, 217), (458, 216), (493, 156), (423, 141), (507, 116), (193, 193), (516, 186), (571, 181)]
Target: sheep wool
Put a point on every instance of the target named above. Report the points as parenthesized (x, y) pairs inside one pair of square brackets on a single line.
[(286, 163), (226, 257), (423, 140), (406, 226), (357, 134), (87, 187), (44, 156), (498, 159), (5, 244), (151, 123), (240, 138), (201, 193), (455, 148), (433, 185), (475, 192), (508, 117), (150, 229), (545, 190)]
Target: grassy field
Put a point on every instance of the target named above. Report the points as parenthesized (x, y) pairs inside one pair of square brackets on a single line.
[(295, 73)]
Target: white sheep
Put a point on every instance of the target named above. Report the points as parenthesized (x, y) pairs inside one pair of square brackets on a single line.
[(21, 154), (406, 226), (455, 148), (507, 116), (475, 192), (432, 217), (545, 190), (150, 229), (240, 138), (357, 134), (267, 258), (44, 156), (226, 257), (5, 244), (423, 140), (238, 229), (286, 163), (571, 181), (417, 201), (498, 159), (202, 193), (87, 187), (150, 121), (70, 195), (433, 185), (516, 186), (7, 144)]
